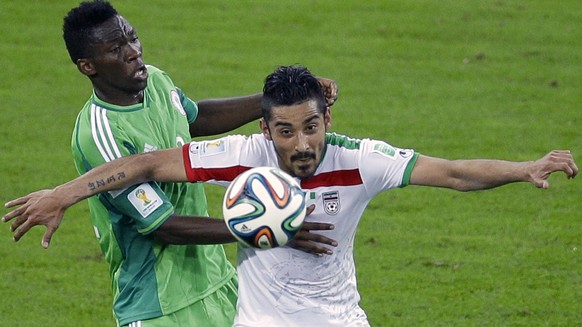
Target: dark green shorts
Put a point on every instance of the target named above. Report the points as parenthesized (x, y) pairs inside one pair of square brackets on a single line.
[(216, 310)]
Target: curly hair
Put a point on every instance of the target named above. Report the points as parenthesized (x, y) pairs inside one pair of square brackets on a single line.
[(79, 24)]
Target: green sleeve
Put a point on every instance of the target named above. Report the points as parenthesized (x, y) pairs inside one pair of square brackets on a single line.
[(408, 170), (189, 105), (146, 205)]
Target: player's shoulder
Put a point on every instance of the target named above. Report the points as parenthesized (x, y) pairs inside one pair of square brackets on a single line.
[(152, 70), (342, 141), (347, 144), (345, 147)]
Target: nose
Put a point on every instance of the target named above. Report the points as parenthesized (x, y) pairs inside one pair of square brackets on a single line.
[(302, 145), (133, 52)]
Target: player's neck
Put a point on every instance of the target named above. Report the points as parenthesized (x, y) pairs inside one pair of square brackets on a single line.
[(119, 98)]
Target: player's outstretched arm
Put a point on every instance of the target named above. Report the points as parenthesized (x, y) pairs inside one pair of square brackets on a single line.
[(47, 207), (479, 174)]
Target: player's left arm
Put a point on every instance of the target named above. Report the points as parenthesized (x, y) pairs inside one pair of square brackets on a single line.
[(47, 207), (479, 174)]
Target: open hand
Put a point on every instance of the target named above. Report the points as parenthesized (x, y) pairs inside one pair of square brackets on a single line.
[(37, 208), (313, 243)]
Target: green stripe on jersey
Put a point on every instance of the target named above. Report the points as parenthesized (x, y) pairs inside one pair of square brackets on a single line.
[(342, 141)]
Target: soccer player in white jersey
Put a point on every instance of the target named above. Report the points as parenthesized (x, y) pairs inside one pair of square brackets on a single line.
[(282, 286)]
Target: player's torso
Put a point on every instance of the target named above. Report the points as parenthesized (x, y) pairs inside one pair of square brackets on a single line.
[(302, 288), (104, 133)]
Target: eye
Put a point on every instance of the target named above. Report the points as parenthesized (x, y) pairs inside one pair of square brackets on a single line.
[(115, 49), (312, 128), (285, 132)]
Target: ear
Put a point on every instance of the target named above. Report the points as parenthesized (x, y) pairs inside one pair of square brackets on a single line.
[(86, 67), (265, 129), (327, 118)]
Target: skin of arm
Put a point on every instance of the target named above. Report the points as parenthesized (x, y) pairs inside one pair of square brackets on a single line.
[(481, 174), (47, 207), (163, 166), (205, 230), (216, 116), (183, 229)]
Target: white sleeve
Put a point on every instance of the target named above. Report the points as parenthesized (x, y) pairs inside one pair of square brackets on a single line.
[(220, 161), (383, 166)]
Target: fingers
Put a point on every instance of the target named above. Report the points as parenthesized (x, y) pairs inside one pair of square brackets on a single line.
[(19, 231), (305, 235), (16, 202), (330, 90), (565, 161), (313, 243), (17, 223), (541, 183), (16, 212), (556, 160), (310, 247), (12, 214), (331, 93), (307, 226), (48, 235), (309, 210)]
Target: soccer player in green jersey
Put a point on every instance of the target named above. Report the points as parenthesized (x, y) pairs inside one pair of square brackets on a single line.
[(136, 108)]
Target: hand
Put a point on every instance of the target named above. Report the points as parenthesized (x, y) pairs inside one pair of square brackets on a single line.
[(330, 90), (309, 242), (557, 160), (37, 208)]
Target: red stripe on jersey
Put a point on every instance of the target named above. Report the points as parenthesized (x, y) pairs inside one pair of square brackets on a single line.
[(205, 174), (219, 174), (333, 178)]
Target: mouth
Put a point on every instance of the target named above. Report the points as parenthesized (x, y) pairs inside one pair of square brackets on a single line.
[(304, 164), (141, 73), (303, 157)]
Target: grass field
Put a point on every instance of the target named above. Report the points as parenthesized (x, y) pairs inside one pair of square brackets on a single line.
[(450, 78)]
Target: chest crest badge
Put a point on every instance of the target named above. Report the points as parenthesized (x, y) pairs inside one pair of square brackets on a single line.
[(331, 202)]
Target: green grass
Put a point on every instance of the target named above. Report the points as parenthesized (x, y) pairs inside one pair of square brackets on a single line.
[(455, 79)]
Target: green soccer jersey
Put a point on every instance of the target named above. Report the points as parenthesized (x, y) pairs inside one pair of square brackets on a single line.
[(149, 278)]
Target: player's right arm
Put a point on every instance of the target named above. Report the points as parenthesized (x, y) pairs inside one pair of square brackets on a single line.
[(47, 207)]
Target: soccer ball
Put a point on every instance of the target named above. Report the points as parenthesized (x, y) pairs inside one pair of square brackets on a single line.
[(264, 207)]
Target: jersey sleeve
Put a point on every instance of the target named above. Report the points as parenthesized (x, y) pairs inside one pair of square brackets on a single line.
[(189, 106), (383, 166), (220, 161), (145, 205)]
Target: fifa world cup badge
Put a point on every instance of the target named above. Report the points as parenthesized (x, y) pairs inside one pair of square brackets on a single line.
[(331, 203)]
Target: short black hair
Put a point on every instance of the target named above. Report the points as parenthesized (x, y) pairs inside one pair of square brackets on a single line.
[(290, 85), (79, 24)]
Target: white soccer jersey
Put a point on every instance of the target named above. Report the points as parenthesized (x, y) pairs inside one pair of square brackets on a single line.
[(287, 287)]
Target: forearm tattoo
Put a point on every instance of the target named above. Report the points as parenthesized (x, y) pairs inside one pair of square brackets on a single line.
[(100, 183)]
